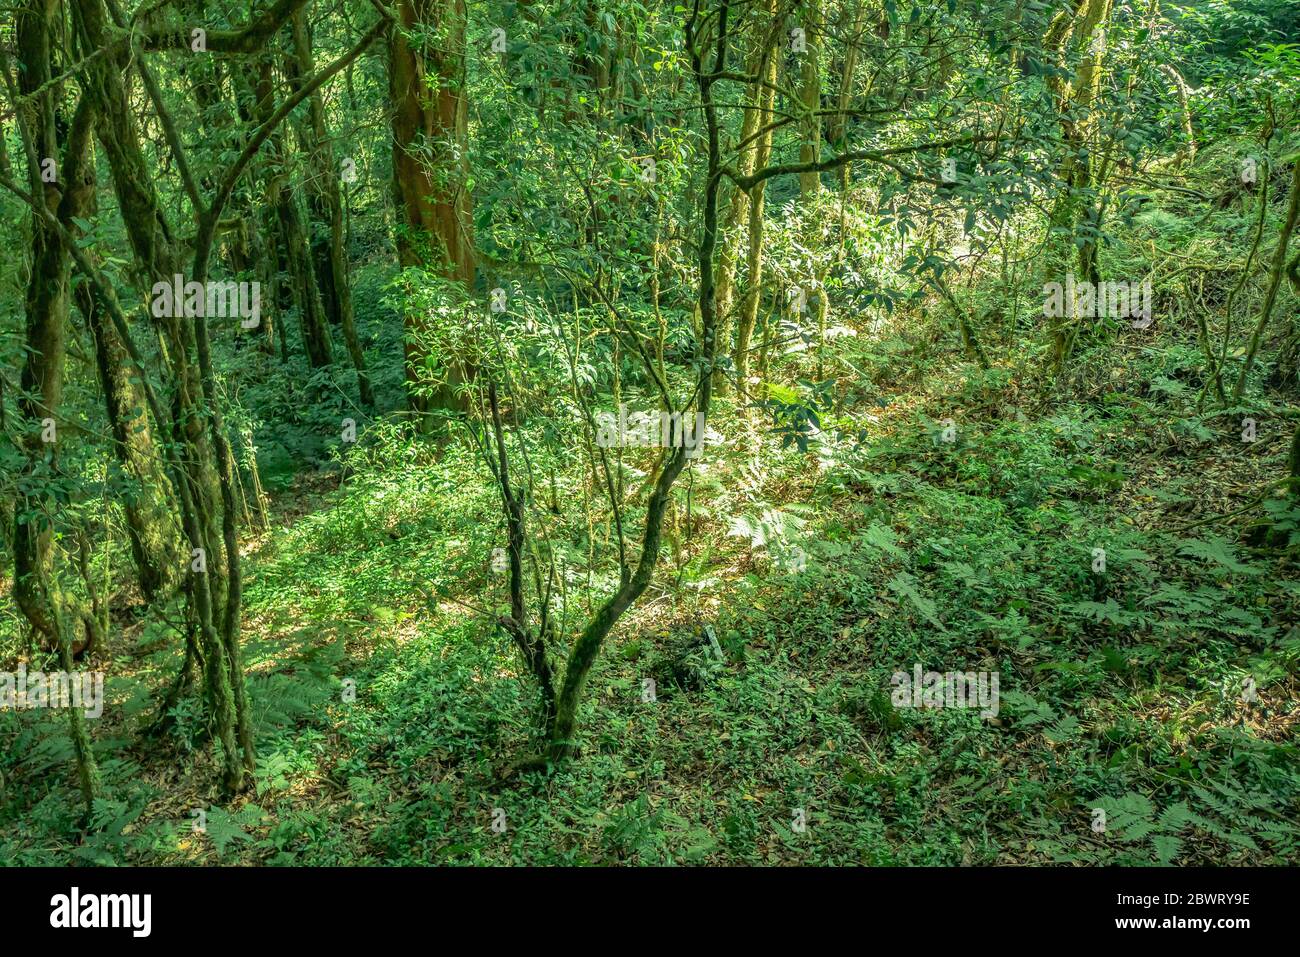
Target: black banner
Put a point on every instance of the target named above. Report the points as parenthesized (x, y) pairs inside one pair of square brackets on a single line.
[(142, 907)]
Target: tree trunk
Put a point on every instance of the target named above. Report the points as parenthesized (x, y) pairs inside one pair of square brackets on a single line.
[(754, 255), (1274, 279), (810, 90), (312, 324), (735, 211), (195, 475), (64, 183), (149, 507), (426, 83), (585, 649), (325, 202), (1085, 30)]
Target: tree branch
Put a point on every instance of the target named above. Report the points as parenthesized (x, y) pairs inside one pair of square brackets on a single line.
[(881, 157)]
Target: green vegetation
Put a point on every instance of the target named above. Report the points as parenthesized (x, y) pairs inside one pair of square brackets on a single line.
[(383, 578)]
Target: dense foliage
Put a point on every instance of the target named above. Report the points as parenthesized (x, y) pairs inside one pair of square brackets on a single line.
[(589, 413)]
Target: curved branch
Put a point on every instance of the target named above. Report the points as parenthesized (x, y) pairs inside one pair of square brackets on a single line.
[(747, 183)]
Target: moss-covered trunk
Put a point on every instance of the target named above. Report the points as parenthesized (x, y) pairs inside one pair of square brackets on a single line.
[(195, 481), (63, 180), (294, 240), (587, 647), (753, 284), (148, 505), (426, 81), (325, 204)]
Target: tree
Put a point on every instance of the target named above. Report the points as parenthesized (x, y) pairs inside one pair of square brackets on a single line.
[(426, 82)]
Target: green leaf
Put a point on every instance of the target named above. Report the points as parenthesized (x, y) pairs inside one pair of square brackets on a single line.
[(1166, 847), (1219, 551), (905, 585)]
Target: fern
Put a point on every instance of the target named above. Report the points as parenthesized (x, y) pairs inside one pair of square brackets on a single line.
[(1167, 847), (225, 829), (904, 585), (1219, 551)]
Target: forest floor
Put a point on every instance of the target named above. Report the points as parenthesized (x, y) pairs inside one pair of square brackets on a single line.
[(388, 705)]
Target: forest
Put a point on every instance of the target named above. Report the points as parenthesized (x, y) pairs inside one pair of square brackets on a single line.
[(739, 433)]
